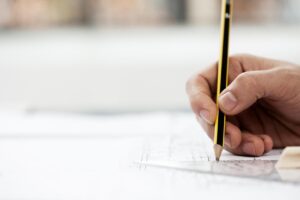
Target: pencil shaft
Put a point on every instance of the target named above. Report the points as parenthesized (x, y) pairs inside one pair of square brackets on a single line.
[(223, 71)]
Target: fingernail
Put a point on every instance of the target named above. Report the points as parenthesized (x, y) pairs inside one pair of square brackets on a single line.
[(205, 116), (249, 148), (228, 140), (228, 101)]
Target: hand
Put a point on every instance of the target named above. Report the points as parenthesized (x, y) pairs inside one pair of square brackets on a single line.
[(262, 104)]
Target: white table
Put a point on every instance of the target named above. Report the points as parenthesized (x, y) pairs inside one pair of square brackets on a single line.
[(71, 156)]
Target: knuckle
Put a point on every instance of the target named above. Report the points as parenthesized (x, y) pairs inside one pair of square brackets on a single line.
[(246, 80), (247, 83), (189, 83), (238, 57), (194, 104), (234, 58), (195, 85)]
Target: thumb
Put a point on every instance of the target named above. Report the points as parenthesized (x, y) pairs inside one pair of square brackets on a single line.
[(247, 88)]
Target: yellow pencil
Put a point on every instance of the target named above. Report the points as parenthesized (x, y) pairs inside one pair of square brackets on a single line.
[(222, 75)]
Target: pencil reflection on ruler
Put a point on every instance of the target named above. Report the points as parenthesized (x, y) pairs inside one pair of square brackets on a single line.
[(222, 76)]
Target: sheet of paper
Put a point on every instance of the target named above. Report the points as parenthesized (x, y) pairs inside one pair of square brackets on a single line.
[(195, 154)]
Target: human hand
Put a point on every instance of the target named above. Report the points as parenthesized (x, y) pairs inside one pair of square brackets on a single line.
[(262, 104)]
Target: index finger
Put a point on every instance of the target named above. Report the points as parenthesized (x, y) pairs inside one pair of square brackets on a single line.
[(201, 89)]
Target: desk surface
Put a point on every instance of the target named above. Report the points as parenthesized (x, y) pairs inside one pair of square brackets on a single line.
[(64, 156)]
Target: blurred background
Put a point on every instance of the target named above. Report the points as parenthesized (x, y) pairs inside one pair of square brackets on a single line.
[(127, 55)]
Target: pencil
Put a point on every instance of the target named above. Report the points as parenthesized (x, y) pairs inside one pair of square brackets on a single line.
[(222, 82)]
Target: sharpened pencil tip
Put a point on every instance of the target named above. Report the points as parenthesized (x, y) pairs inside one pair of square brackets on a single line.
[(218, 151)]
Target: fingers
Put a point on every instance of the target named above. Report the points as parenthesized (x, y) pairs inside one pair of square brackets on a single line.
[(268, 142), (204, 107), (247, 88), (250, 78), (233, 136), (241, 143), (202, 87), (200, 94), (253, 145), (241, 63), (253, 63)]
